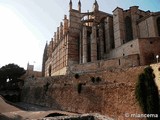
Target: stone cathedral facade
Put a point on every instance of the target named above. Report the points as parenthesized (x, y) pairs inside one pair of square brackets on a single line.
[(126, 38)]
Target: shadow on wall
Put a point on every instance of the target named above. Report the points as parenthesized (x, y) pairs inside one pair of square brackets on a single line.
[(12, 98), (40, 96), (93, 97)]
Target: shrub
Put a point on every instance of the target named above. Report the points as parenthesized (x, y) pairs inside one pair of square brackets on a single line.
[(147, 92), (76, 76), (140, 92)]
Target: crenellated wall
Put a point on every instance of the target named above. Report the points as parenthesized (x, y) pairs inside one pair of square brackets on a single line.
[(113, 95)]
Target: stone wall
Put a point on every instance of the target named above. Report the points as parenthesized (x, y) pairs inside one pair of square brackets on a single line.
[(101, 65), (130, 48), (147, 28), (113, 95), (142, 46), (149, 48)]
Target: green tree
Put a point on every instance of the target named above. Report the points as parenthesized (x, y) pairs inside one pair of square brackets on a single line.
[(10, 73), (147, 92)]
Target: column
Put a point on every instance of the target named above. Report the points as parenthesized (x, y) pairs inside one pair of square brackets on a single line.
[(84, 40), (80, 48), (101, 41), (94, 44)]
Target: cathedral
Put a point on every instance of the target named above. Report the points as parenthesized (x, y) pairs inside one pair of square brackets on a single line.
[(128, 37)]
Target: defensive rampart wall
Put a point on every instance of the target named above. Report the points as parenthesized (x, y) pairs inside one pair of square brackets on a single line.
[(110, 92)]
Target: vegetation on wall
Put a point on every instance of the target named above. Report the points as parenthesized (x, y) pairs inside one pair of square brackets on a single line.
[(45, 87), (79, 88), (76, 75), (147, 92), (95, 80)]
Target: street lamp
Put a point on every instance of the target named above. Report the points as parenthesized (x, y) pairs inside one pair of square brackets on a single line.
[(157, 56)]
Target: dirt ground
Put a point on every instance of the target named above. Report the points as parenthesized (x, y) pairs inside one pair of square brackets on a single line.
[(11, 112), (5, 107)]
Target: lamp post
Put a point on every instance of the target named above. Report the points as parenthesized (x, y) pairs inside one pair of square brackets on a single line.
[(157, 56)]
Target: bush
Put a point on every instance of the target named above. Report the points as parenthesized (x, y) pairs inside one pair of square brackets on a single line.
[(76, 76), (147, 92), (140, 92)]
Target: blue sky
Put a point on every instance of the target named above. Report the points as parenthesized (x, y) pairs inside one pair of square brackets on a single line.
[(26, 25)]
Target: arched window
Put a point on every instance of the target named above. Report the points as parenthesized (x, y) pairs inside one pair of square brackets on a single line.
[(158, 25), (128, 26)]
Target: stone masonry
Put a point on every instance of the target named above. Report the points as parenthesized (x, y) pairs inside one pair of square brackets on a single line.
[(113, 95), (87, 37)]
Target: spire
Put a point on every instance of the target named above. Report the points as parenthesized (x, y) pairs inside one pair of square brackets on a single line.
[(95, 6), (65, 25), (79, 6), (65, 17), (70, 5)]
